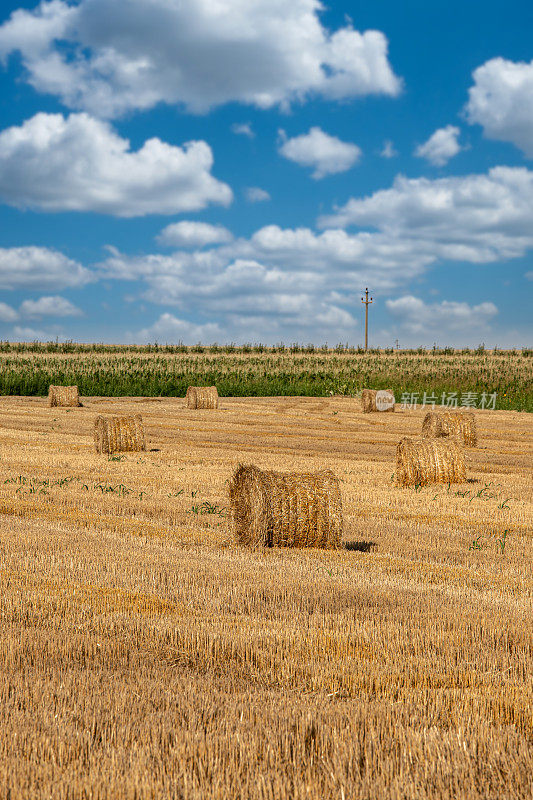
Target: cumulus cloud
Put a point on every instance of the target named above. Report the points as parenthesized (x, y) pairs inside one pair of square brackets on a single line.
[(7, 314), (108, 58), (250, 297), (40, 268), (300, 284), (188, 233), (52, 306), (326, 154), (254, 194), (416, 316), (476, 218), (80, 164), (501, 100), (243, 129), (441, 146)]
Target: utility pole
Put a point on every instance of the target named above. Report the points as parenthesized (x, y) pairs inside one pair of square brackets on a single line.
[(367, 302)]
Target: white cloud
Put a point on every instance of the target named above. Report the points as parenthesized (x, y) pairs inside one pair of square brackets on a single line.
[(501, 100), (40, 268), (388, 150), (254, 194), (243, 129), (108, 58), (25, 334), (416, 316), (248, 297), (7, 314), (441, 146), (189, 233), (169, 329), (326, 154), (49, 306), (529, 276), (300, 285), (81, 164), (476, 218)]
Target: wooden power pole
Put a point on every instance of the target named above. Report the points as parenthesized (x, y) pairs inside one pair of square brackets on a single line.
[(367, 302)]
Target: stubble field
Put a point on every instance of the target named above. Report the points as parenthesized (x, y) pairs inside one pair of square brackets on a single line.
[(144, 655)]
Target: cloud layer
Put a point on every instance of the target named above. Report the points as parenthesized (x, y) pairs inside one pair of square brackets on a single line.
[(40, 268), (111, 57), (326, 154), (52, 306), (80, 164), (416, 316), (475, 218)]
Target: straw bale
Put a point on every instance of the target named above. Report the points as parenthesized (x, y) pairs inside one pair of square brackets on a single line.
[(119, 434), (276, 509), (421, 461), (460, 424), (368, 399), (202, 397), (64, 396)]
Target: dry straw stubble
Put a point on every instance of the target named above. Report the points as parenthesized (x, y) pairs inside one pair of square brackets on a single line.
[(461, 424), (422, 461), (202, 397), (368, 399), (118, 434), (276, 509), (67, 396)]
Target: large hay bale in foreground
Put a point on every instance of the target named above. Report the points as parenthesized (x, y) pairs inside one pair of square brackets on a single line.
[(202, 397), (421, 461), (461, 424), (275, 509), (377, 400), (67, 396), (119, 434)]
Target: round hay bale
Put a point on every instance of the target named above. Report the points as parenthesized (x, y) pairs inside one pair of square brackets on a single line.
[(119, 434), (422, 461), (66, 396), (274, 509), (202, 397), (377, 400), (461, 424)]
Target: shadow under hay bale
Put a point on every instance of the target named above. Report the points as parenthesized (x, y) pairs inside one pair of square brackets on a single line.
[(461, 424), (422, 461), (66, 396), (119, 434), (202, 397), (377, 400), (275, 509)]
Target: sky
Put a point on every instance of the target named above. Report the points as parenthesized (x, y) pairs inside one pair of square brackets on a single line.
[(241, 170)]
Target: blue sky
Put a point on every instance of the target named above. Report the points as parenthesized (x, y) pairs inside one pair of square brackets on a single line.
[(240, 170)]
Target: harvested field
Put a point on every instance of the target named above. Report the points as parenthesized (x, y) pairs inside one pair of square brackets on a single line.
[(144, 654)]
